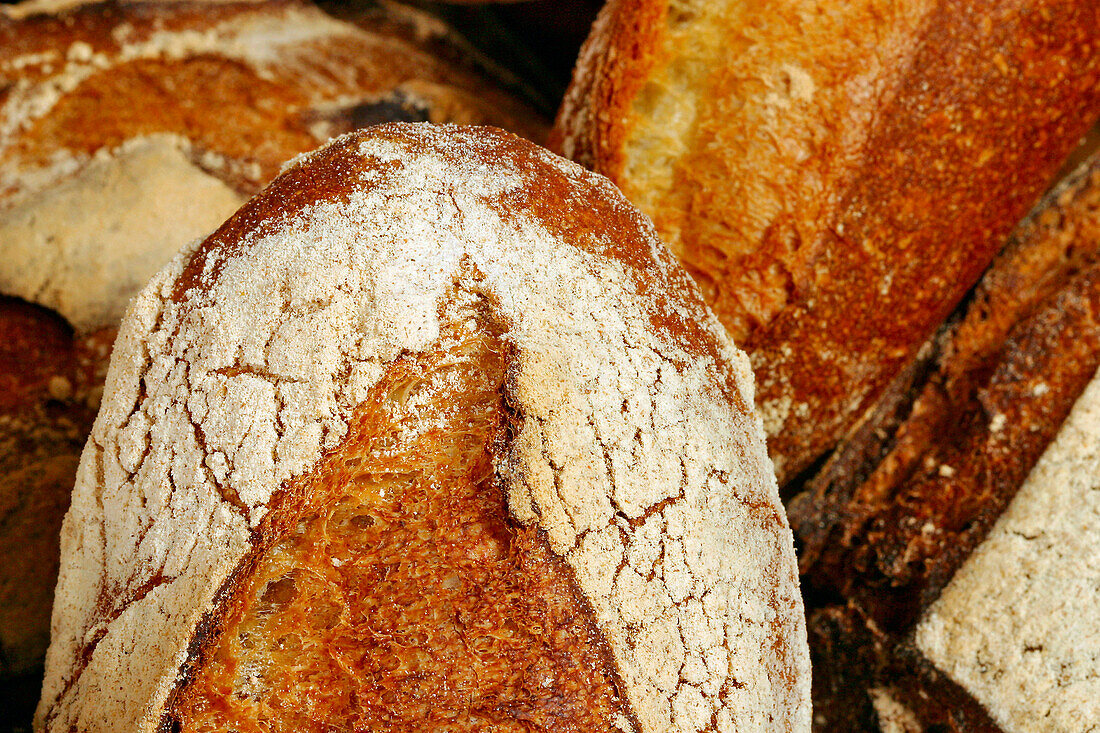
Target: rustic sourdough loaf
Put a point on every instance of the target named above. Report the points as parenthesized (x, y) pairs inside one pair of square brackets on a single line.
[(127, 130), (963, 525), (834, 175), (432, 434)]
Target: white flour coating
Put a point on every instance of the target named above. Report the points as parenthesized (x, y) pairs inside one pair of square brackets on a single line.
[(281, 42), (1019, 624), (86, 245), (215, 402), (83, 232)]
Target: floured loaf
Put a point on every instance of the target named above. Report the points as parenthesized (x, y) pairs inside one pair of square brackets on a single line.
[(432, 434), (128, 129), (120, 106), (835, 175)]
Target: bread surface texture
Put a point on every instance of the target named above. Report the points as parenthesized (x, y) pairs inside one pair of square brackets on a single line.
[(963, 529), (151, 122), (626, 446), (834, 175), (127, 130), (1017, 625)]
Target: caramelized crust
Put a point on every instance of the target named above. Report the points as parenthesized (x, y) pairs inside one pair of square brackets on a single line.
[(856, 665), (895, 512), (1010, 372), (35, 347), (397, 594), (142, 98), (835, 176)]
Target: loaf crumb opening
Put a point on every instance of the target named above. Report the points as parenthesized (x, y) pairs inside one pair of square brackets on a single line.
[(402, 596)]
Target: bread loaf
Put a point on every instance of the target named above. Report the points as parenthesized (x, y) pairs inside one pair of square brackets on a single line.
[(966, 534), (834, 175), (204, 98), (432, 433), (127, 130)]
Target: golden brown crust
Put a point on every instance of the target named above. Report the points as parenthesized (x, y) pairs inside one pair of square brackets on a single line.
[(890, 537), (938, 156), (253, 110), (1010, 372), (223, 91), (637, 460)]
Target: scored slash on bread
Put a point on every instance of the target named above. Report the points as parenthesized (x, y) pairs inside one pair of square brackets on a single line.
[(834, 175), (966, 535), (457, 320), (128, 129)]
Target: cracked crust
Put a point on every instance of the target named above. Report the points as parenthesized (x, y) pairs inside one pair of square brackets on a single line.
[(128, 129), (796, 156), (633, 449)]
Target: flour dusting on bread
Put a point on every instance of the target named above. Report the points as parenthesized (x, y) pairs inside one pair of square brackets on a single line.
[(1017, 626), (83, 247), (240, 364)]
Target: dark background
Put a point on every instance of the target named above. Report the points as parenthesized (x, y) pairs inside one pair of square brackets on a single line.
[(536, 40)]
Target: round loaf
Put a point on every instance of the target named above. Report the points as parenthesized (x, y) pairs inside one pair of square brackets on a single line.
[(835, 175), (128, 129), (431, 432)]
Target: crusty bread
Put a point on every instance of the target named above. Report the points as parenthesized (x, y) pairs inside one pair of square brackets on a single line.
[(834, 175), (128, 129), (207, 98), (967, 532), (440, 404)]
